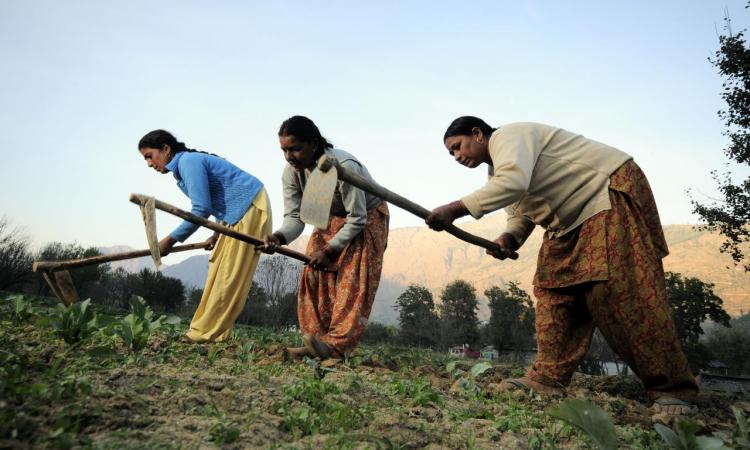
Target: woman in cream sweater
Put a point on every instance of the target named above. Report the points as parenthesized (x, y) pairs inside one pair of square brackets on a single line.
[(600, 263)]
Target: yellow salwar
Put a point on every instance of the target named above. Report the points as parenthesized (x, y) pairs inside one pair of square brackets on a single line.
[(230, 274)]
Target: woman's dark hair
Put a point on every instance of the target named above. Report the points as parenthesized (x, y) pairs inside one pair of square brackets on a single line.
[(463, 126), (159, 138), (305, 130)]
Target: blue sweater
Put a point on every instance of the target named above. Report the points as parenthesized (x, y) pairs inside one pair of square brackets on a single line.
[(214, 186)]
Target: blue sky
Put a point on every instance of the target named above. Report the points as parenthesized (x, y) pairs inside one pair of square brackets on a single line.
[(82, 81)]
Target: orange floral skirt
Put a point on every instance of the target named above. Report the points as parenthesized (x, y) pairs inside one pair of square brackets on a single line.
[(337, 306)]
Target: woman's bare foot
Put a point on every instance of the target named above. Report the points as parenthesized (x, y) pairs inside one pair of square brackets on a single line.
[(512, 384), (317, 347), (294, 353)]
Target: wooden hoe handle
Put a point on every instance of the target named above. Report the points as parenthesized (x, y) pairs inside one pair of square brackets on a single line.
[(325, 163), (139, 199), (94, 260)]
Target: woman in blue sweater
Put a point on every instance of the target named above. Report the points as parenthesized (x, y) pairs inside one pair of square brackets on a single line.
[(219, 188)]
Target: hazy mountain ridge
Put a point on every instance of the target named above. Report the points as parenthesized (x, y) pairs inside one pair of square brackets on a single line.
[(435, 259)]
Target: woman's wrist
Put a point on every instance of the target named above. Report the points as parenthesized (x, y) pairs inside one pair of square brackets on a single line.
[(331, 252), (280, 237), (458, 209), (511, 241)]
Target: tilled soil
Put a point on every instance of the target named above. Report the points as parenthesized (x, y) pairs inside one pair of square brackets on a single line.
[(242, 394)]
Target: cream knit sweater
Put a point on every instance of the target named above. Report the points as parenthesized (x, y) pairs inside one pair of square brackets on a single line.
[(545, 176)]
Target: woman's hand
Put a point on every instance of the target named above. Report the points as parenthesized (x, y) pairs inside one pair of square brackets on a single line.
[(321, 259), (443, 216), (270, 243), (166, 244), (212, 241), (508, 246)]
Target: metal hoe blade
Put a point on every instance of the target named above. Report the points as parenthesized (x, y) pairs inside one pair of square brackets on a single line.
[(149, 221), (317, 197)]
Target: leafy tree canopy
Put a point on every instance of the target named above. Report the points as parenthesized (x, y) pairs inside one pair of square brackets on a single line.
[(730, 214)]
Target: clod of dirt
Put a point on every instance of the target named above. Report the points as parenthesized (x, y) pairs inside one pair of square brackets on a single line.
[(192, 401), (117, 373), (216, 385)]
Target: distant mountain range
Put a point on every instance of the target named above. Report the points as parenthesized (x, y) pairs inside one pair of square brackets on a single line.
[(421, 256)]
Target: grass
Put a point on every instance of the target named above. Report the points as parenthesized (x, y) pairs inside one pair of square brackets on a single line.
[(101, 393)]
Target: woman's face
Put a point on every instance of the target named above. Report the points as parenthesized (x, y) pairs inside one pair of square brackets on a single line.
[(469, 151), (156, 158), (299, 154)]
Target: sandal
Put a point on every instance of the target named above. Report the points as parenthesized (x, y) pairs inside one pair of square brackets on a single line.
[(526, 384), (674, 406)]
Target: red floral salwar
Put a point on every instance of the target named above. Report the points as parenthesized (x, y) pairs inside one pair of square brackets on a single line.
[(608, 274)]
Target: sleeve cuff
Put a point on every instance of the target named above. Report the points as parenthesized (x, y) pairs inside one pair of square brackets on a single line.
[(520, 230), (472, 204), (176, 237), (519, 237), (290, 232), (280, 236), (336, 244)]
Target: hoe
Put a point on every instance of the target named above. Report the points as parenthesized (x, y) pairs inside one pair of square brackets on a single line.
[(319, 191)]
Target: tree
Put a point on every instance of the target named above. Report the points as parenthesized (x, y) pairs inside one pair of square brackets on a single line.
[(458, 314), (730, 215), (279, 278), (377, 333), (162, 293), (693, 302), (193, 297), (417, 319), (732, 345), (15, 257), (256, 307), (284, 312), (512, 316)]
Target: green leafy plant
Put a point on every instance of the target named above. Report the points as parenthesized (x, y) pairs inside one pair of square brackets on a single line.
[(590, 419), (136, 328), (685, 439), (418, 390), (213, 354), (454, 368), (312, 406), (467, 381), (221, 433), (743, 427), (478, 369), (75, 322), (20, 308), (320, 371), (245, 352)]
